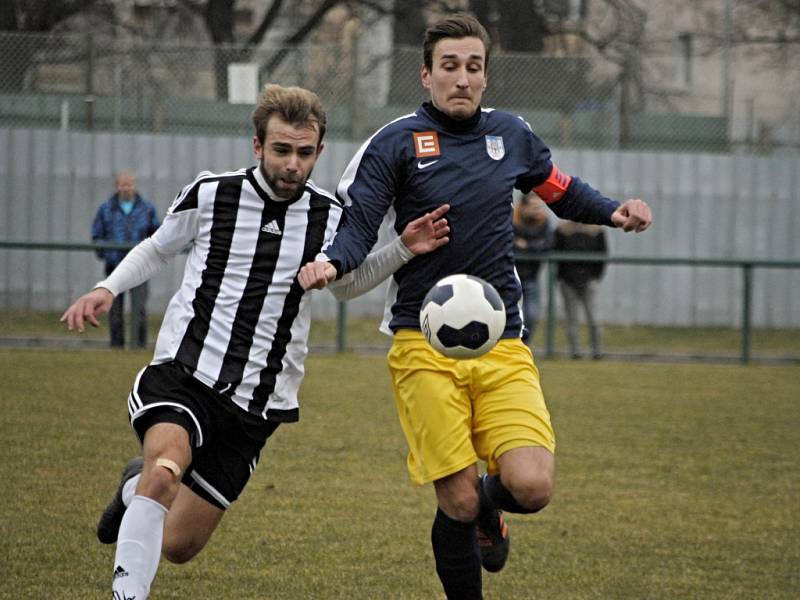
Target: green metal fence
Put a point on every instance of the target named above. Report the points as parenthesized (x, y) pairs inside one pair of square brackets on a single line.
[(745, 266)]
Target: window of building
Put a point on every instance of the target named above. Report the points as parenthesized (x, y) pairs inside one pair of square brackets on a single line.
[(683, 59)]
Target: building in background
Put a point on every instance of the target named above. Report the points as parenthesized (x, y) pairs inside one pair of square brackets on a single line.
[(641, 74)]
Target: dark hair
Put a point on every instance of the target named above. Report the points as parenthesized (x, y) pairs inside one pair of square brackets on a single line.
[(295, 105), (457, 26)]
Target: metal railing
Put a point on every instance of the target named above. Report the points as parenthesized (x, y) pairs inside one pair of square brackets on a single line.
[(551, 260), (747, 267)]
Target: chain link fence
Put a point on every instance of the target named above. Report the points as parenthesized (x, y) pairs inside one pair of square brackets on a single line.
[(93, 82)]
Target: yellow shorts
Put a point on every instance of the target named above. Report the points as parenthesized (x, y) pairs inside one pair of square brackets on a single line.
[(454, 412)]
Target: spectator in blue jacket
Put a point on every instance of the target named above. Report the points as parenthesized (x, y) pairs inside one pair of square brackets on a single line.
[(125, 217)]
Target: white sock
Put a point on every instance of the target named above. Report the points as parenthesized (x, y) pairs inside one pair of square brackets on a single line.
[(138, 548), (129, 489)]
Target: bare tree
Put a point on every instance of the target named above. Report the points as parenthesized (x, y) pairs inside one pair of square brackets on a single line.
[(32, 16), (618, 36), (218, 18), (768, 22)]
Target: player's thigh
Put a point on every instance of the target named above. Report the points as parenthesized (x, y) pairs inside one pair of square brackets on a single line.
[(518, 463), (433, 406), (167, 440), (509, 407), (189, 525)]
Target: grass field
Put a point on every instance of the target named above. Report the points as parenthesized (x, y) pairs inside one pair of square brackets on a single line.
[(674, 481), (362, 333)]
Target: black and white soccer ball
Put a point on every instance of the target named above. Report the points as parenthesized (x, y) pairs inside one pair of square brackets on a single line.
[(462, 316)]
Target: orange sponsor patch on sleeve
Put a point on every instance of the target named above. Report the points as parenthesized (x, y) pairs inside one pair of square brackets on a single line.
[(554, 187), (426, 143)]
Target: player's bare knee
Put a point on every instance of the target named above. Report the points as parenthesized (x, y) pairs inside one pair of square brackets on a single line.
[(170, 465), (534, 492), (161, 481), (463, 507)]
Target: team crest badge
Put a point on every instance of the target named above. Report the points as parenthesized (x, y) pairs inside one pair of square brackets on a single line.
[(494, 147)]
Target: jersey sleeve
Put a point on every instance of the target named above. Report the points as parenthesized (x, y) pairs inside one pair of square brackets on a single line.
[(584, 204), (138, 266), (538, 157), (180, 224), (568, 197), (367, 189), (377, 266)]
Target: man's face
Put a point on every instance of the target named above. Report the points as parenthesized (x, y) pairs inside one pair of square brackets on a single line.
[(287, 156), (457, 77), (126, 186)]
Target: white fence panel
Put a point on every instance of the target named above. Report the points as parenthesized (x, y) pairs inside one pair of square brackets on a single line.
[(705, 205)]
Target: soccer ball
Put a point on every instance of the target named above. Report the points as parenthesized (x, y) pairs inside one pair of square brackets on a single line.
[(462, 316)]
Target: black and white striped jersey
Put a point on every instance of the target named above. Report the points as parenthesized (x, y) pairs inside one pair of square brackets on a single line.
[(239, 321)]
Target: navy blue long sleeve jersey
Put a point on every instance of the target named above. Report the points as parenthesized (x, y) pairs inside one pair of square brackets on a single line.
[(420, 161)]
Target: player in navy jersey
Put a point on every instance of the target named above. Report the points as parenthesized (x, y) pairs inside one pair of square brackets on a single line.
[(454, 412), (229, 356)]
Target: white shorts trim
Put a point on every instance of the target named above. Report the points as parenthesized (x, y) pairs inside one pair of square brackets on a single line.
[(210, 489), (136, 408), (178, 407)]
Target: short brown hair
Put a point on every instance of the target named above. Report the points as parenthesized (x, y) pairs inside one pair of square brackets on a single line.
[(295, 105), (457, 26)]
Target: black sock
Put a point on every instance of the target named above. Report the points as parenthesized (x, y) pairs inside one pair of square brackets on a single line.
[(458, 562), (497, 493)]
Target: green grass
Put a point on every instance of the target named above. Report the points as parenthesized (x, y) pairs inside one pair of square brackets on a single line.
[(362, 333), (674, 481)]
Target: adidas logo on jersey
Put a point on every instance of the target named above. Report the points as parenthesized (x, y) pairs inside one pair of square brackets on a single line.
[(272, 227)]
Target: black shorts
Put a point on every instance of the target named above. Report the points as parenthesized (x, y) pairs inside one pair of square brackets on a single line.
[(226, 440)]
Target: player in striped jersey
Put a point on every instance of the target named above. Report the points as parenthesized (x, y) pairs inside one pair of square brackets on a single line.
[(491, 408), (229, 356)]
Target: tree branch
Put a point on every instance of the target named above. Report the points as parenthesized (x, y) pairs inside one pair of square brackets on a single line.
[(47, 15), (195, 7), (298, 36), (269, 18)]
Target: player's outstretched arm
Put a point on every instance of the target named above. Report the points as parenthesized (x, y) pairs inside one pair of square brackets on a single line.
[(428, 232), (87, 308), (423, 234), (632, 215)]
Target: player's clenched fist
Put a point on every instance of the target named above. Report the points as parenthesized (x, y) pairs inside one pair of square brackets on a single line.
[(316, 275), (632, 215), (87, 308)]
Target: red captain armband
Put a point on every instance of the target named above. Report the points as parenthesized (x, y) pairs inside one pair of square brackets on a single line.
[(554, 187)]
